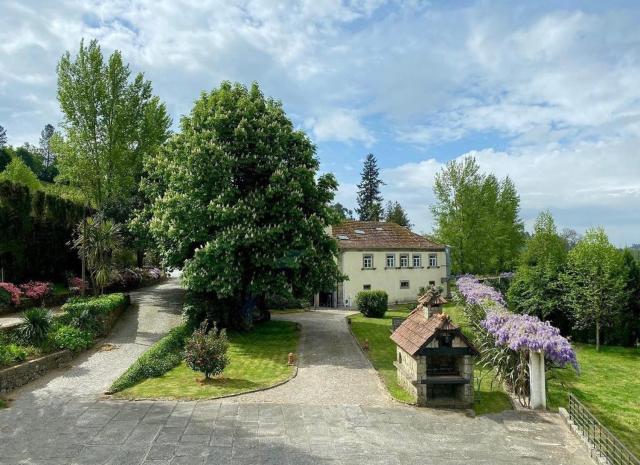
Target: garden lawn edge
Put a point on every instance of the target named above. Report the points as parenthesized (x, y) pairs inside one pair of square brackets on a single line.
[(380, 378)]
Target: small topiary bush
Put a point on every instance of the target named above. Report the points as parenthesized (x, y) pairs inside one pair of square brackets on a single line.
[(11, 354), (206, 351), (36, 323), (70, 338), (160, 358), (372, 304)]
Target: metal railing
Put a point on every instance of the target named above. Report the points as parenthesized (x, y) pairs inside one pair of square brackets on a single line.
[(604, 444)]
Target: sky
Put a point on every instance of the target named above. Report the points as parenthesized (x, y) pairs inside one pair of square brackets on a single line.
[(546, 92)]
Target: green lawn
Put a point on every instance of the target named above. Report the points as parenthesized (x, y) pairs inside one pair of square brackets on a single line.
[(608, 385), (382, 353), (258, 360)]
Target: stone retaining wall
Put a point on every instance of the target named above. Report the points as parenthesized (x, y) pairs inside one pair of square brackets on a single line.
[(18, 375)]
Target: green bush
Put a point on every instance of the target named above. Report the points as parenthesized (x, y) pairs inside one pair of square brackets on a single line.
[(160, 358), (71, 338), (372, 304), (90, 313), (206, 352), (36, 323), (11, 354)]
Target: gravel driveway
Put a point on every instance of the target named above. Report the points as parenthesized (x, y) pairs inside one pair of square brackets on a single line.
[(331, 371), (154, 310)]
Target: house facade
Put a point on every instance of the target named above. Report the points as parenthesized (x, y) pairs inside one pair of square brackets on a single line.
[(385, 256)]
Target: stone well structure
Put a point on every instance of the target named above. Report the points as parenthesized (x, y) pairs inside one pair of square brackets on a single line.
[(434, 360)]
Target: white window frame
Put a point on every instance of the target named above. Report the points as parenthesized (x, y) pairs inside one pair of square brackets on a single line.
[(413, 260), (405, 281), (367, 257), (392, 257), (433, 260), (405, 256)]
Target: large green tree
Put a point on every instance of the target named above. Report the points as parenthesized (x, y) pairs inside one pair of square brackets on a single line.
[(628, 330), (394, 213), (594, 283), (110, 122), (238, 204), (478, 216), (536, 288), (369, 197)]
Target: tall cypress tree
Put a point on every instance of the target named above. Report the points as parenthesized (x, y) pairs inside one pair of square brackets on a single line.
[(369, 198)]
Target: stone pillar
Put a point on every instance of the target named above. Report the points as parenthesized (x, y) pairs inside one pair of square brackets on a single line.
[(316, 300), (538, 396)]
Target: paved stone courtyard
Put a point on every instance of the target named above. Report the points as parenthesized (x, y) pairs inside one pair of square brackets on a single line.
[(162, 433), (334, 412)]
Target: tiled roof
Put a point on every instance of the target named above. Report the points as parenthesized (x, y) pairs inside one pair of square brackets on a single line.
[(432, 297), (416, 331), (380, 235)]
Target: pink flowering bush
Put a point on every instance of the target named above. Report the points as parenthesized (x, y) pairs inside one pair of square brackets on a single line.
[(77, 284), (11, 293), (36, 290)]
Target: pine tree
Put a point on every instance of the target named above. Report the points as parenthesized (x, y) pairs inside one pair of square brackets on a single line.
[(395, 214), (3, 137), (369, 197)]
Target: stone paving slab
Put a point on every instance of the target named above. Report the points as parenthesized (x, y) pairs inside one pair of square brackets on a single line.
[(78, 432)]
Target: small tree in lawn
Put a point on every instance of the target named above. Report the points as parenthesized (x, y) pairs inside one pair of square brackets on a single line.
[(594, 282), (206, 351)]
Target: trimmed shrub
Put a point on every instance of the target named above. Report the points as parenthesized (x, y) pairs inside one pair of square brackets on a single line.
[(9, 294), (35, 326), (91, 313), (36, 290), (372, 304), (160, 358), (206, 352), (71, 338), (11, 354)]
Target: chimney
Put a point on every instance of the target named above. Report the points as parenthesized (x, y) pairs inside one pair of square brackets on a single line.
[(430, 310)]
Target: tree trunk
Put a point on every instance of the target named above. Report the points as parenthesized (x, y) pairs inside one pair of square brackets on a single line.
[(246, 312), (140, 257), (597, 336)]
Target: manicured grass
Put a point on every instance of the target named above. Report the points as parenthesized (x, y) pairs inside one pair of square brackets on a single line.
[(284, 311), (607, 385), (258, 360), (382, 353)]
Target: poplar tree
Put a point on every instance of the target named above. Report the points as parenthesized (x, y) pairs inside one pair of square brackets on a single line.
[(369, 197), (3, 137)]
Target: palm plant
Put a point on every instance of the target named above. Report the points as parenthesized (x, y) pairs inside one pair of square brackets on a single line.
[(98, 238), (36, 323)]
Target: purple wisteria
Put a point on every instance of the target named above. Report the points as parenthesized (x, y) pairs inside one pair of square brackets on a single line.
[(517, 332), (474, 292)]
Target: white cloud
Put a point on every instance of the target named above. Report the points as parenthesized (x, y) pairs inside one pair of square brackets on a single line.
[(340, 125)]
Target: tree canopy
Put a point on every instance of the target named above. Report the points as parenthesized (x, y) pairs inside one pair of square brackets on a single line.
[(237, 203), (478, 216), (109, 123), (369, 197), (394, 213), (17, 171)]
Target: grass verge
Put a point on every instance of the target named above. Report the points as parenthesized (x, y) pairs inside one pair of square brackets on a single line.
[(258, 360), (607, 385), (382, 353)]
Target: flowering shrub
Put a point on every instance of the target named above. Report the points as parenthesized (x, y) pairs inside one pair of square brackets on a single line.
[(153, 273), (526, 332), (36, 290), (77, 284), (207, 351), (9, 293), (476, 293)]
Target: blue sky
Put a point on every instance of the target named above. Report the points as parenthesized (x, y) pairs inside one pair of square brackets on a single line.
[(545, 92)]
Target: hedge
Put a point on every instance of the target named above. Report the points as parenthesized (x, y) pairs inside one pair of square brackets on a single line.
[(93, 313), (159, 359), (372, 303), (35, 231)]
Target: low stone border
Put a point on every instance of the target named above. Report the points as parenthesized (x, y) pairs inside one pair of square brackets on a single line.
[(18, 375)]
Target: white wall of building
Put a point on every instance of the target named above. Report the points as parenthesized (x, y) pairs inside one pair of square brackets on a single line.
[(389, 279)]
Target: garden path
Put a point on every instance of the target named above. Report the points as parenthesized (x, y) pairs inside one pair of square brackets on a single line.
[(331, 370), (154, 310)]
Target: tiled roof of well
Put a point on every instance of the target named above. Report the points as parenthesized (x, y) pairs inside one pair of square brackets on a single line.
[(432, 297), (380, 235), (416, 331)]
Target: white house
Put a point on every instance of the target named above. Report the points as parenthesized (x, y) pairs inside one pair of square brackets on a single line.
[(386, 256)]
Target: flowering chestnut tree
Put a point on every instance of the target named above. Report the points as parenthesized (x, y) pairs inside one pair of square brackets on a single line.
[(239, 203)]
